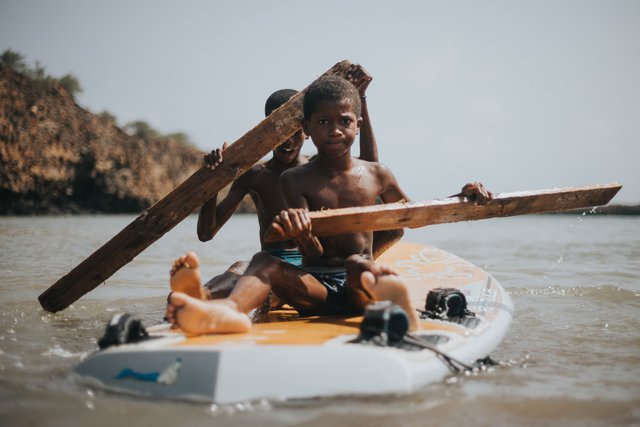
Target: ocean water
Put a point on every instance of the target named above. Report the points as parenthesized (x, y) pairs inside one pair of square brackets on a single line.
[(571, 357)]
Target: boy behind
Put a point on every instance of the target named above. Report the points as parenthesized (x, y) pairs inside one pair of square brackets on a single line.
[(338, 274), (261, 182)]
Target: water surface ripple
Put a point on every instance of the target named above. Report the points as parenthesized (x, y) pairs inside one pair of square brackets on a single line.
[(571, 358)]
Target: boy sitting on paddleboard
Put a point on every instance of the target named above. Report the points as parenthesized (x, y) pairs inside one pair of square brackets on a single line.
[(338, 275), (261, 182)]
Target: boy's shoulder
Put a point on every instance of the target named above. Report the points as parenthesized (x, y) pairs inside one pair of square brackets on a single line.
[(313, 166), (256, 174), (267, 168), (372, 166), (304, 168), (379, 172), (379, 166)]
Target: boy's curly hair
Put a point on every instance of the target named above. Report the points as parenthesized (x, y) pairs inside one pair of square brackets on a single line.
[(330, 88), (277, 99)]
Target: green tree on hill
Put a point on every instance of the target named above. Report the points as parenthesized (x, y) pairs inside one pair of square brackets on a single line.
[(107, 117), (144, 130), (141, 129), (14, 60), (180, 137), (71, 84), (40, 80)]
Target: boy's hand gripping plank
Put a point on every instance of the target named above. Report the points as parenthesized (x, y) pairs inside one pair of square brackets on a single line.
[(177, 205), (392, 216)]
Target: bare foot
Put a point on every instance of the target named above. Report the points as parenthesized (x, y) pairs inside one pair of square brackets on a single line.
[(391, 287), (185, 276), (198, 317)]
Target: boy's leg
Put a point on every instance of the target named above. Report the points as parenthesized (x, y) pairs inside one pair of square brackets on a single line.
[(222, 285), (227, 315), (290, 284), (385, 239), (185, 278), (368, 281)]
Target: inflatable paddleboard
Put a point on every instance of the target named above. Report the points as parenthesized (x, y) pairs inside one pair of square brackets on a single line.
[(294, 357)]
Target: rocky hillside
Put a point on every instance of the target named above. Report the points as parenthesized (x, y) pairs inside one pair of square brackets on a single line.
[(56, 157)]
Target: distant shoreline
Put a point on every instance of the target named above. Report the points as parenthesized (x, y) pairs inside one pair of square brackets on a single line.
[(622, 210)]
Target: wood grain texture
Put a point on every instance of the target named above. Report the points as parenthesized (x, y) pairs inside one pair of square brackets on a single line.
[(154, 222), (393, 216)]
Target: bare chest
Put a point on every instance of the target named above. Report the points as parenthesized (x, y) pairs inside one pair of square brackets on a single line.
[(265, 192), (358, 188)]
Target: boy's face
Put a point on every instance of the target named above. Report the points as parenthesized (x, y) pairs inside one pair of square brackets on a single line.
[(333, 127), (289, 150)]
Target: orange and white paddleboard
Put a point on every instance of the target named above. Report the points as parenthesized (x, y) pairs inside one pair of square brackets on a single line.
[(294, 357)]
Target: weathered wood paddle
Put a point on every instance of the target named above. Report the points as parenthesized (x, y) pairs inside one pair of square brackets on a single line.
[(154, 222), (392, 216)]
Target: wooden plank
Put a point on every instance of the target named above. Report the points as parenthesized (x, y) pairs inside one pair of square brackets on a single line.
[(154, 222), (392, 216)]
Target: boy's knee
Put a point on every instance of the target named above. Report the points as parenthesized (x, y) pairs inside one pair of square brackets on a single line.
[(355, 262), (238, 267), (262, 258), (265, 264)]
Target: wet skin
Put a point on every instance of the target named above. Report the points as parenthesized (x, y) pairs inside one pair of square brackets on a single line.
[(261, 182), (334, 179)]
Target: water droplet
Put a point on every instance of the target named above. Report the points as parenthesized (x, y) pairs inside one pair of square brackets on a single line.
[(265, 405), (451, 380)]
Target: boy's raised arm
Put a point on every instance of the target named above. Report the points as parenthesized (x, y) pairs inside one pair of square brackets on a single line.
[(213, 216), (368, 146), (391, 193)]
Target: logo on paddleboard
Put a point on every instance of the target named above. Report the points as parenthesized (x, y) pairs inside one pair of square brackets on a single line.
[(166, 377)]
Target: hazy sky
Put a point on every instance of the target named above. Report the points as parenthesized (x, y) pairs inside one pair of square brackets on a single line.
[(521, 95)]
